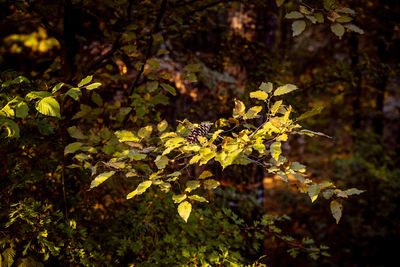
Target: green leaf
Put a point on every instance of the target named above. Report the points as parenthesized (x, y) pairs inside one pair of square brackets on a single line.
[(12, 128), (152, 86), (205, 174), (85, 81), (298, 27), (337, 29), (287, 88), (142, 187), (126, 136), (161, 161), (260, 95), (336, 210), (37, 94), (179, 198), (192, 68), (75, 93), (353, 191), (210, 184), (162, 126), (252, 113), (75, 133), (198, 198), (21, 110), (153, 63), (49, 106), (275, 149), (145, 131), (184, 210), (71, 148), (239, 109), (101, 178), (354, 28), (93, 86), (294, 15), (345, 10), (192, 185), (344, 19), (169, 88), (319, 17), (298, 167), (57, 87), (266, 87), (313, 192), (328, 4), (96, 98)]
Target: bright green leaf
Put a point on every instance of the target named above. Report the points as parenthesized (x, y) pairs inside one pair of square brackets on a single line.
[(37, 94), (49, 106), (93, 86), (57, 87), (85, 81)]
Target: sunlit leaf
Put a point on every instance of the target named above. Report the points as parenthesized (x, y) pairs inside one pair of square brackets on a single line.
[(275, 107), (192, 185), (93, 86), (298, 27), (71, 148), (205, 174), (252, 112), (85, 81), (210, 184), (287, 88), (101, 178), (184, 210), (313, 192), (57, 87), (37, 94), (49, 106), (297, 167), (161, 161), (260, 95), (239, 109), (162, 126), (125, 136), (142, 187), (198, 198), (275, 149), (179, 198), (145, 131)]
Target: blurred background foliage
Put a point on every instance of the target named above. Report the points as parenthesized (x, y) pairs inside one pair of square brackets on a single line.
[(49, 218)]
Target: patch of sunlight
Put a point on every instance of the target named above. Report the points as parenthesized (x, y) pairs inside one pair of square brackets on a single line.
[(37, 41)]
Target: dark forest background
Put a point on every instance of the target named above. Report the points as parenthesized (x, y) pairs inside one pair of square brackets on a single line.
[(49, 218)]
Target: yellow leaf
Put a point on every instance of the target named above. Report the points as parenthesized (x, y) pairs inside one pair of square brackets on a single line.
[(145, 131), (184, 210), (260, 95), (252, 113), (239, 109), (162, 126), (205, 174)]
